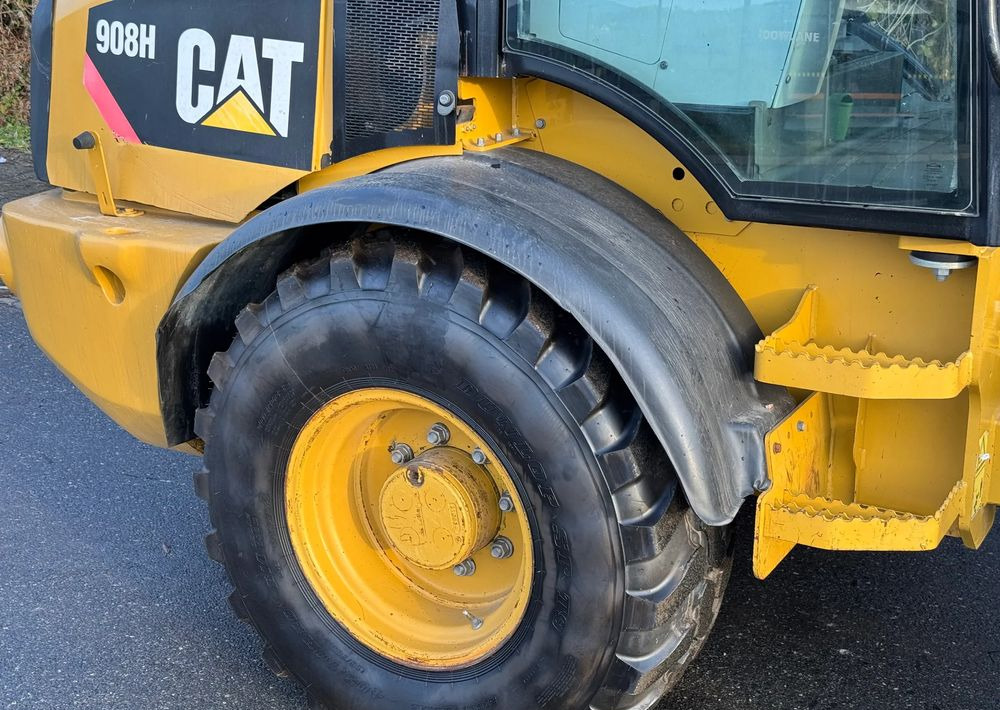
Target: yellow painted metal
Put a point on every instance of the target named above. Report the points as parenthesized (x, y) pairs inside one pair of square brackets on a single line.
[(377, 540), (94, 289), (801, 507), (6, 267), (99, 175), (199, 185), (791, 356), (440, 509)]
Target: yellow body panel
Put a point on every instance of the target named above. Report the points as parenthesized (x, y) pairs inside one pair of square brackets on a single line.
[(94, 289), (200, 185), (906, 365)]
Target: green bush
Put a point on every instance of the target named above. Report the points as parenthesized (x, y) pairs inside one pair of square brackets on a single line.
[(15, 56)]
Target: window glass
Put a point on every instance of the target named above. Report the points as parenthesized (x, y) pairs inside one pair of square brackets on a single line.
[(857, 101)]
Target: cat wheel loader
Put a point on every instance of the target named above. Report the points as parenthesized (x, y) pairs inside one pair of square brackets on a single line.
[(486, 318)]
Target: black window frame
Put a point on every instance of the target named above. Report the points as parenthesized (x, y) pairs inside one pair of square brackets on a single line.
[(977, 224)]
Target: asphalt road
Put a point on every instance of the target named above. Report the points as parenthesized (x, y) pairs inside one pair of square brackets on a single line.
[(108, 601)]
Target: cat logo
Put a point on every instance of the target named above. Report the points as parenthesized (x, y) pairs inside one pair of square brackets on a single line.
[(237, 82), (236, 102)]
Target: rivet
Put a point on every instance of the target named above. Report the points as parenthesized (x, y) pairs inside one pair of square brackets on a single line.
[(540, 123), (800, 425)]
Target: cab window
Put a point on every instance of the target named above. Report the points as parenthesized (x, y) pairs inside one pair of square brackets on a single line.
[(853, 101)]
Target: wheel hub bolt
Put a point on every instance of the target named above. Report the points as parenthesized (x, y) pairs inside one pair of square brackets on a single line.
[(479, 457), (506, 503), (502, 548), (474, 620), (400, 454), (438, 435), (465, 569)]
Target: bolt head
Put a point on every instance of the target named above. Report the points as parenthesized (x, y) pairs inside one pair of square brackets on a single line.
[(502, 548), (479, 457), (400, 454), (438, 435), (801, 426), (540, 123), (506, 503), (446, 99), (465, 569)]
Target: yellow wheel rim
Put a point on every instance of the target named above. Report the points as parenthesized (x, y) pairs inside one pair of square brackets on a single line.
[(421, 550)]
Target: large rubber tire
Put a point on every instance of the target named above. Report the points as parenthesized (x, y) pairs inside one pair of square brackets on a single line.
[(628, 580)]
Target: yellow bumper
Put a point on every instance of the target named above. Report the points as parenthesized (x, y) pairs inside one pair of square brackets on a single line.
[(94, 289)]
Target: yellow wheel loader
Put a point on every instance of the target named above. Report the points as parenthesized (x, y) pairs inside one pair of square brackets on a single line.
[(486, 318)]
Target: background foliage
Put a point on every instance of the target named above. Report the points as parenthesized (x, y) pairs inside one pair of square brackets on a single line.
[(15, 23)]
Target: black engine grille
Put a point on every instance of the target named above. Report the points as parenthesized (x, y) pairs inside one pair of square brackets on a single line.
[(390, 64)]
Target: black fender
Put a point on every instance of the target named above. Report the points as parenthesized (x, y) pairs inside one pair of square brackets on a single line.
[(678, 333)]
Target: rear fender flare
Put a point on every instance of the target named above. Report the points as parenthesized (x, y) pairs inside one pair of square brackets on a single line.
[(673, 326)]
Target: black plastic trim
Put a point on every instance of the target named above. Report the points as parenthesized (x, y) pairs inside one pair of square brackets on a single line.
[(41, 86), (481, 41), (609, 87)]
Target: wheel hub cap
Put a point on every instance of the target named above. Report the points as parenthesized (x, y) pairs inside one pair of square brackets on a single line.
[(439, 509)]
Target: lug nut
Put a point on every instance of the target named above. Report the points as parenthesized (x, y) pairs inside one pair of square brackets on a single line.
[(465, 569), (506, 503), (400, 454), (502, 548), (438, 435), (479, 457)]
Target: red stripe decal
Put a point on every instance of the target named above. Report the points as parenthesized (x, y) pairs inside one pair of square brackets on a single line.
[(107, 104)]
